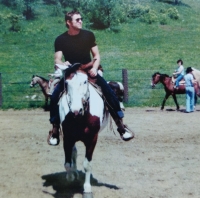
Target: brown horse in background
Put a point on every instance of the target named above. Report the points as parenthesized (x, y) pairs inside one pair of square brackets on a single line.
[(169, 88)]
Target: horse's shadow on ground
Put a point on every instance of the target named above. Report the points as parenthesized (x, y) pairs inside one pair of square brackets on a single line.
[(67, 189)]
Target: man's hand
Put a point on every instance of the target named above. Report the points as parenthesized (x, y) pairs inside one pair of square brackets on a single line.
[(67, 63), (93, 72)]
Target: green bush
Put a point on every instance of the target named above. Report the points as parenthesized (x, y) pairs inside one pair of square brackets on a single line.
[(163, 19), (54, 2), (1, 19), (149, 17), (9, 3), (163, 11), (14, 20), (57, 10), (137, 11), (173, 13), (104, 14)]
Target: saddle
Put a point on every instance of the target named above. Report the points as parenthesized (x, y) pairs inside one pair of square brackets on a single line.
[(182, 82)]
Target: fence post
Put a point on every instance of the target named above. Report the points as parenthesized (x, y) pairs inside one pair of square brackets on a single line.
[(1, 97), (125, 83)]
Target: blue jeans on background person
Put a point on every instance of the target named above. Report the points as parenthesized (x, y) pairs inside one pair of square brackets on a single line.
[(178, 79), (189, 98)]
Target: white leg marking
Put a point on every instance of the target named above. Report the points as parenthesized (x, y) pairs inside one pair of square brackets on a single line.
[(122, 106), (88, 170)]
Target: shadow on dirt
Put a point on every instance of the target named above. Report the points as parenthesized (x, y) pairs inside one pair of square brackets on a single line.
[(65, 189)]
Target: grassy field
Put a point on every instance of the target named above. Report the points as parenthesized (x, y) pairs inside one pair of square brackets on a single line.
[(139, 47)]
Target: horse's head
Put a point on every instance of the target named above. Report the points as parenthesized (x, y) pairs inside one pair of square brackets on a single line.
[(33, 81), (155, 79), (78, 92)]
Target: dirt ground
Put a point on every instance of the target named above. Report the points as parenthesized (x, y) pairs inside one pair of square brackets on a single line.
[(163, 160)]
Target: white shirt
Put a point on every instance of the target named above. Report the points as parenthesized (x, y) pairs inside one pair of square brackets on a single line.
[(58, 73)]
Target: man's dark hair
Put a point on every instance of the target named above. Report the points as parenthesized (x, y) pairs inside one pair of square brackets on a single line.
[(68, 15), (179, 61)]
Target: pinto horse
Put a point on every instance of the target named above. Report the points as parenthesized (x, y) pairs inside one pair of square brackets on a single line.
[(82, 116), (169, 88)]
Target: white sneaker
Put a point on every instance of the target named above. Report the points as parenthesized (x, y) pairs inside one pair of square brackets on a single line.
[(128, 135)]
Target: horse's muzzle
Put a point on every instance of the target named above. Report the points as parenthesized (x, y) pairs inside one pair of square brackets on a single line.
[(77, 113)]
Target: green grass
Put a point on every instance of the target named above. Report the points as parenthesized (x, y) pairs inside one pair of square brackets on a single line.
[(141, 48)]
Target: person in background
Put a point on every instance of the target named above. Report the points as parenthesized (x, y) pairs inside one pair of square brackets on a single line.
[(76, 45), (179, 73), (189, 87), (57, 76)]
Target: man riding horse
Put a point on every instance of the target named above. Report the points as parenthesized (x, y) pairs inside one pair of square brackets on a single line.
[(76, 45)]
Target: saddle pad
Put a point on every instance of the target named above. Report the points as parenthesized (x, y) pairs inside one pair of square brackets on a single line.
[(97, 88), (182, 82)]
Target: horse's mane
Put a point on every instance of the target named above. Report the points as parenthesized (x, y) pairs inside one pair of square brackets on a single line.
[(162, 75), (42, 78)]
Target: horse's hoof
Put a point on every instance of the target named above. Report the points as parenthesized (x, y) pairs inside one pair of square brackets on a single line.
[(87, 195), (53, 139), (128, 135)]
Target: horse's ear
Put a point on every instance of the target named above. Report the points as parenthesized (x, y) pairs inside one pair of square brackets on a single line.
[(33, 76)]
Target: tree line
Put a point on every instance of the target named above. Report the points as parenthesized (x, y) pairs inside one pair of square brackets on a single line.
[(101, 14)]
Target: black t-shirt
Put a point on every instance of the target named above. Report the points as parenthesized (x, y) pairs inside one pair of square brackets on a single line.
[(76, 49)]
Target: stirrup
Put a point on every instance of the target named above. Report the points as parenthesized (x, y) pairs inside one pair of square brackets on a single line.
[(53, 138)]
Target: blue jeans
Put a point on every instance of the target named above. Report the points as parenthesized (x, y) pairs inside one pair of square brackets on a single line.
[(178, 79), (54, 108), (189, 99)]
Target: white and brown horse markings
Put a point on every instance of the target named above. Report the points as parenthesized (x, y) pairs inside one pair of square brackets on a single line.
[(81, 120), (82, 116)]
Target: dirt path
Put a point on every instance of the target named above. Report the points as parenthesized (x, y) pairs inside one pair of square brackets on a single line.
[(163, 161)]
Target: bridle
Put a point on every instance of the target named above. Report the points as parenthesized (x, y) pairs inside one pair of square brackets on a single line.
[(153, 83), (32, 84)]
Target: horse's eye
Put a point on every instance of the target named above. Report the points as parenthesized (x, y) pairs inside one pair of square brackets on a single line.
[(85, 82)]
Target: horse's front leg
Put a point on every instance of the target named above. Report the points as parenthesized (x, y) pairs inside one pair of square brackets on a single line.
[(88, 170), (90, 145), (70, 162), (164, 100), (175, 100)]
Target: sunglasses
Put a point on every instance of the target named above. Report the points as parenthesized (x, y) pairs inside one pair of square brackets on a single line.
[(79, 19)]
